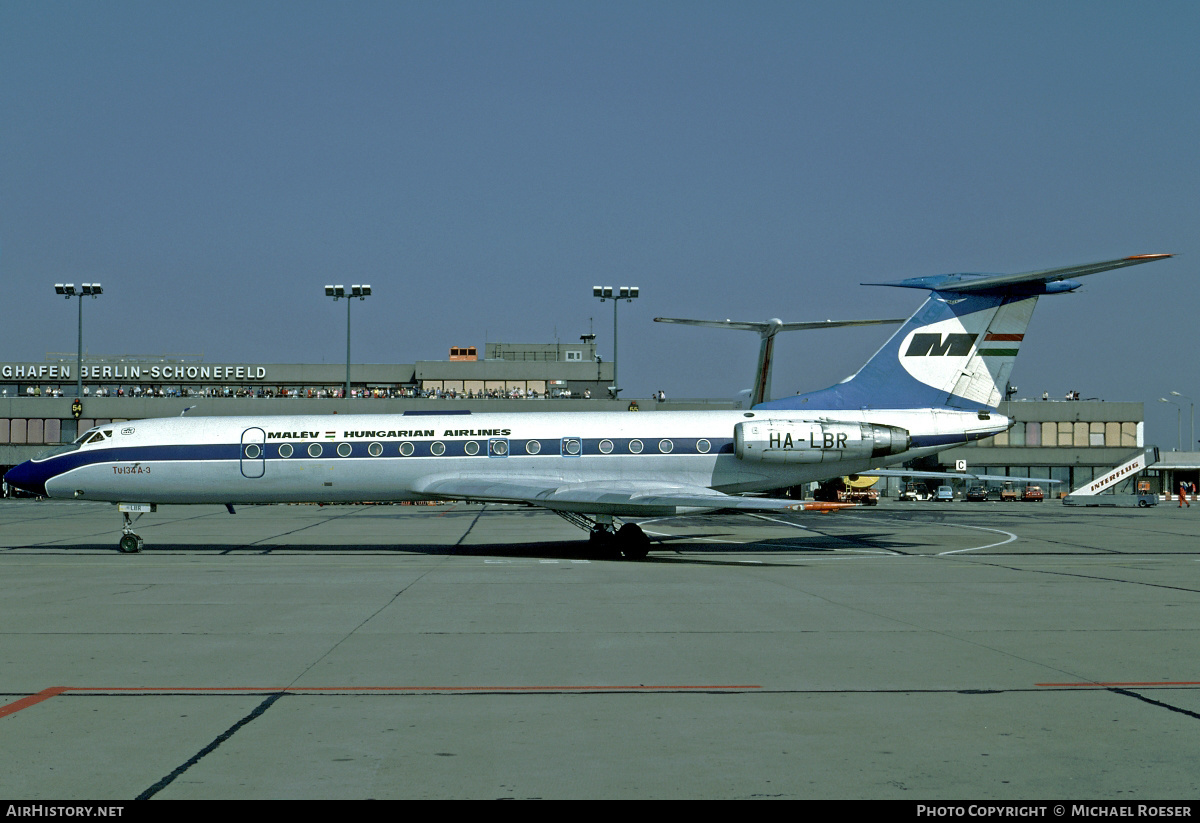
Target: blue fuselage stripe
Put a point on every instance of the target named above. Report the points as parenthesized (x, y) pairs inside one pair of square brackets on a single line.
[(60, 464)]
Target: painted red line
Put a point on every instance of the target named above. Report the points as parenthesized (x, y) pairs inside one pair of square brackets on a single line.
[(1004, 337), (350, 689), (1120, 685), (32, 700)]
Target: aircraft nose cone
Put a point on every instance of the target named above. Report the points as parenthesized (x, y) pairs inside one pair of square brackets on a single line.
[(27, 477)]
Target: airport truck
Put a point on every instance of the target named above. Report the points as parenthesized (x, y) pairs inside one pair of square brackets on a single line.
[(855, 488)]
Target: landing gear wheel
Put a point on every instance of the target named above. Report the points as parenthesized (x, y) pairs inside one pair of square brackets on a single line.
[(604, 543), (635, 545), (130, 544)]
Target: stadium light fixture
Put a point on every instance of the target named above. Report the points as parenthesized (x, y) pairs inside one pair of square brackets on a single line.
[(628, 294), (362, 292), (1192, 416), (67, 290)]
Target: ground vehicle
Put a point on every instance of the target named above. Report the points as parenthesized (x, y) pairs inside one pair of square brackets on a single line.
[(914, 491), (944, 494), (1010, 492), (977, 493), (1033, 493), (854, 488)]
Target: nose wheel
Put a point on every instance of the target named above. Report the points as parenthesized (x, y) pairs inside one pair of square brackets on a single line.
[(131, 543)]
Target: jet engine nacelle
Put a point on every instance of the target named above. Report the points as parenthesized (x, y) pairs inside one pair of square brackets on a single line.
[(810, 441)]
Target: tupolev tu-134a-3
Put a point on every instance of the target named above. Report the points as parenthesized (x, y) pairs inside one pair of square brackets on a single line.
[(935, 384)]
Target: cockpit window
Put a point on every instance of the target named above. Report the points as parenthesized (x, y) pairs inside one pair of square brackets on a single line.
[(69, 447), (98, 437)]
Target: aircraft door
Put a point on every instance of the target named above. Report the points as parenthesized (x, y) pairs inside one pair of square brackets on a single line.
[(253, 453)]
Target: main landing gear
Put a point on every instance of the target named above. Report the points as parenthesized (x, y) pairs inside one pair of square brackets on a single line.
[(629, 541)]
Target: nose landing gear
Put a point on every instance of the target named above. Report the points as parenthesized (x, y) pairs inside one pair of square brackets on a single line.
[(130, 542)]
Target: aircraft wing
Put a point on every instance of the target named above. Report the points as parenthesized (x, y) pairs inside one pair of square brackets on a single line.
[(607, 497)]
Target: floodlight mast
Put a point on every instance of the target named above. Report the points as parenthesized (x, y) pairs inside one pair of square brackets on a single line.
[(1178, 421), (1191, 415), (628, 294), (67, 290), (337, 292)]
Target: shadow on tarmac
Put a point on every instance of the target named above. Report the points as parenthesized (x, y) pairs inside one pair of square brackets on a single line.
[(662, 549)]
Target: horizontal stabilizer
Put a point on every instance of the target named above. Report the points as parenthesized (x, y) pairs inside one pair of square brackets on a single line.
[(1038, 281)]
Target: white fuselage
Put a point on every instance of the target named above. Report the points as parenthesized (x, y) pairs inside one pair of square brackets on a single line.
[(351, 458)]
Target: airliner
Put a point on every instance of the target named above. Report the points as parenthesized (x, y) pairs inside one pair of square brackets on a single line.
[(935, 384)]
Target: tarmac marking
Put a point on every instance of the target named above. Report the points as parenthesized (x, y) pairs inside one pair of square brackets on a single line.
[(504, 561), (1011, 538), (32, 700), (46, 694), (1150, 683), (196, 758)]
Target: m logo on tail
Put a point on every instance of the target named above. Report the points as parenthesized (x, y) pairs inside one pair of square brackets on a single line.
[(937, 345)]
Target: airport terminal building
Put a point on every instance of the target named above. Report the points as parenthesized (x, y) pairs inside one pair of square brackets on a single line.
[(528, 369), (1071, 441), (38, 408)]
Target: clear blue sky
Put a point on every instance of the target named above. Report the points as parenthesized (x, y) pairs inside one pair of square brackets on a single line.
[(484, 164)]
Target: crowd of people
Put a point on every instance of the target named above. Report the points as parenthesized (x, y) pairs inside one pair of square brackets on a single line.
[(283, 391)]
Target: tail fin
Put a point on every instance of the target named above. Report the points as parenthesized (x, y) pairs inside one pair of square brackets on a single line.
[(958, 350), (767, 329)]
